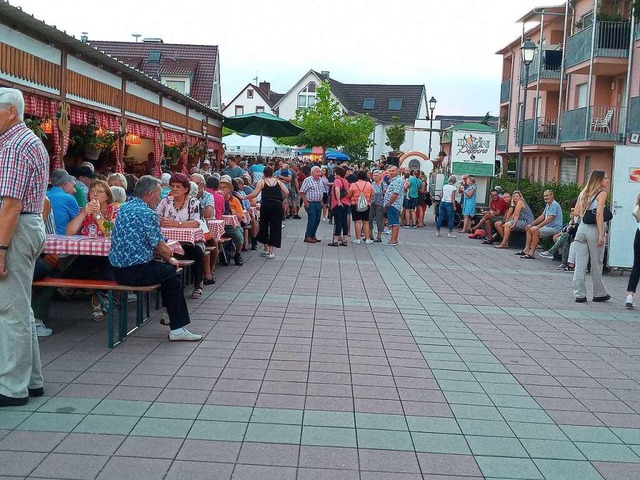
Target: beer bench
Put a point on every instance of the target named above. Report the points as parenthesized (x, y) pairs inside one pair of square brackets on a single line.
[(142, 292)]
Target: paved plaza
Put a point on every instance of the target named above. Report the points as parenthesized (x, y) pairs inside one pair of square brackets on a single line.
[(438, 359)]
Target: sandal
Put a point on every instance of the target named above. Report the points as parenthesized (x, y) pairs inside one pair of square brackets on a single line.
[(344, 243), (501, 246), (210, 281), (528, 257), (197, 292), (98, 311), (333, 244)]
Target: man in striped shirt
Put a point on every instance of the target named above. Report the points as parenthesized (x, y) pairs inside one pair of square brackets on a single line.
[(24, 174), (311, 193)]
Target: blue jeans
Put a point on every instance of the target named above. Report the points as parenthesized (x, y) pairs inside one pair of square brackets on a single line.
[(313, 218), (446, 208)]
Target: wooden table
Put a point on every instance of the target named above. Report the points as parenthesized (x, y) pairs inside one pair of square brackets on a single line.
[(186, 235), (231, 220), (216, 227), (83, 245)]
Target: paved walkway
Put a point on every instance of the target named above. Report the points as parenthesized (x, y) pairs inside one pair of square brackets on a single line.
[(438, 359)]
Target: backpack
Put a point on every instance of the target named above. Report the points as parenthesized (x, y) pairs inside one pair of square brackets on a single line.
[(362, 204)]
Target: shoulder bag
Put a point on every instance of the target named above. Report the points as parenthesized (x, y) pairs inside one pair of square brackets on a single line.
[(589, 216)]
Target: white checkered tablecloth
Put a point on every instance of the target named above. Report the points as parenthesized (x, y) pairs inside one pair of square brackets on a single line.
[(77, 245), (231, 220), (186, 235), (216, 227), (255, 212), (247, 217)]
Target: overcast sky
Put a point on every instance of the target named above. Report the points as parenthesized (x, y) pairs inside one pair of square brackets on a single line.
[(449, 46)]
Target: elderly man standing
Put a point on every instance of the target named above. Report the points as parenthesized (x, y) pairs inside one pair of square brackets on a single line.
[(311, 193), (24, 174), (135, 236), (393, 203)]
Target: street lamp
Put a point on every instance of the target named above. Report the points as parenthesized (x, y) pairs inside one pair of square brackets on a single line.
[(527, 51), (432, 107)]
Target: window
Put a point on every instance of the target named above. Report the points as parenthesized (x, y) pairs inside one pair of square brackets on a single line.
[(311, 88), (302, 101), (539, 175), (581, 92), (587, 169), (249, 93), (259, 109), (369, 104), (307, 96), (178, 85), (568, 170), (154, 56), (395, 104), (239, 110), (311, 101)]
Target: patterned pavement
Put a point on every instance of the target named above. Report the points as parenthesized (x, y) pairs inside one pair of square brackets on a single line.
[(438, 359)]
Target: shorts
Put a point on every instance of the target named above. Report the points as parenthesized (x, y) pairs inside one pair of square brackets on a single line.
[(393, 217), (410, 203), (357, 216), (497, 218), (325, 198), (548, 232), (520, 225)]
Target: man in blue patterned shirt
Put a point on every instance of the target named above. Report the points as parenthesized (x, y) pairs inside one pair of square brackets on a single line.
[(135, 236), (393, 203)]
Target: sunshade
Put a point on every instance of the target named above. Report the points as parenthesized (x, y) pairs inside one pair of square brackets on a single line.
[(262, 124)]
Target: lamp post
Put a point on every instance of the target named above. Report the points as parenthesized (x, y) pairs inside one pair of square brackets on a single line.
[(432, 107), (527, 51)]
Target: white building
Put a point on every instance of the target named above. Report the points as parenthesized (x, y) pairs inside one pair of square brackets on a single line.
[(252, 99), (381, 102)]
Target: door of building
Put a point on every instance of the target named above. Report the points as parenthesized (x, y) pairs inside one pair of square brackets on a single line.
[(625, 186)]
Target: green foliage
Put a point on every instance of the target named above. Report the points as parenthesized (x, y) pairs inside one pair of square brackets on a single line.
[(35, 125), (326, 126), (173, 151), (91, 137), (533, 191), (227, 131), (395, 134)]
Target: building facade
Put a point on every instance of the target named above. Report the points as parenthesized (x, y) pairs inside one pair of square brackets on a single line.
[(252, 99), (583, 90)]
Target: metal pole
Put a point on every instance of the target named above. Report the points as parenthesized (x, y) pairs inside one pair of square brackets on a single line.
[(521, 136), (430, 132)]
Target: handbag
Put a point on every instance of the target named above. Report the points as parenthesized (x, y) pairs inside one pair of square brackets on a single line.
[(589, 216), (636, 213)]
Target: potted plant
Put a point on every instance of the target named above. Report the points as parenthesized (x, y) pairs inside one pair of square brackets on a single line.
[(92, 140), (35, 125), (173, 151)]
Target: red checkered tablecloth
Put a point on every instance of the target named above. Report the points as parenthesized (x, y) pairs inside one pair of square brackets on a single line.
[(255, 212), (247, 217), (77, 245), (231, 220), (216, 227), (187, 235)]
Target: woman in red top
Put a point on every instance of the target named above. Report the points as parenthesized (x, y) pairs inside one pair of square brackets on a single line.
[(98, 216), (340, 206)]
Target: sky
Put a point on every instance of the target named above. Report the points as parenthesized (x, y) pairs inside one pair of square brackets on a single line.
[(447, 46)]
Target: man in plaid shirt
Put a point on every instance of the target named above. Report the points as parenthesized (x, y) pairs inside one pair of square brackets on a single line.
[(24, 174)]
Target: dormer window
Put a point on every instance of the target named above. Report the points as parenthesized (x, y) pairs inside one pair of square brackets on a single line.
[(307, 96), (249, 93), (179, 83), (395, 104), (369, 104)]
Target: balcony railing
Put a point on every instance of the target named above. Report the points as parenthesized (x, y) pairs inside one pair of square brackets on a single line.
[(551, 66), (611, 40), (503, 137), (505, 91), (540, 131), (599, 123), (634, 114)]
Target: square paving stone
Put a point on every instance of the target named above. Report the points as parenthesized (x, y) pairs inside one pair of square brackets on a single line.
[(433, 425), (276, 415), (579, 433), (90, 444), (199, 471), (567, 470), (328, 457), (329, 436), (553, 449), (150, 447), (384, 439), (384, 461), (541, 431), (512, 468), (317, 474), (607, 452), (485, 427), (381, 421), (31, 441), (529, 415), (263, 472), (51, 422), (467, 398), (269, 454), (476, 412), (130, 408), (69, 405), (496, 446), (226, 452), (328, 419), (162, 427), (215, 430), (464, 466), (66, 465), (10, 419), (225, 413), (173, 410), (439, 443), (142, 468), (19, 464), (106, 424), (273, 433)]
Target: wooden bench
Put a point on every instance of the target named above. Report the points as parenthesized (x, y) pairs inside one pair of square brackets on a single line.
[(223, 257), (110, 286)]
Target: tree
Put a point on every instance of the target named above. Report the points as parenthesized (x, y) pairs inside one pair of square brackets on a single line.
[(326, 126), (395, 134)]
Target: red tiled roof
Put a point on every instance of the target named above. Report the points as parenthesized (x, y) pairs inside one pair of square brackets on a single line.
[(176, 59)]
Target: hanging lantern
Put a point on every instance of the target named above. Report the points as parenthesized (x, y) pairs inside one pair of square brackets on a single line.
[(132, 139), (47, 126)]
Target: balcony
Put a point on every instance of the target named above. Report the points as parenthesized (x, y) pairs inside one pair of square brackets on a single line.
[(634, 114), (505, 91), (595, 123), (610, 51), (502, 141), (546, 70), (540, 131)]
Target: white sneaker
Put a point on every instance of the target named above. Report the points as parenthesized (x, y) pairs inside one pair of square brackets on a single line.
[(368, 241), (164, 318), (387, 231), (438, 234), (131, 297), (546, 254), (629, 301), (451, 235), (324, 219), (356, 241), (185, 336), (271, 256), (42, 330), (264, 253)]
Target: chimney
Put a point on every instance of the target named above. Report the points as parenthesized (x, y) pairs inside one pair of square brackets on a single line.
[(326, 73), (84, 38), (265, 87)]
